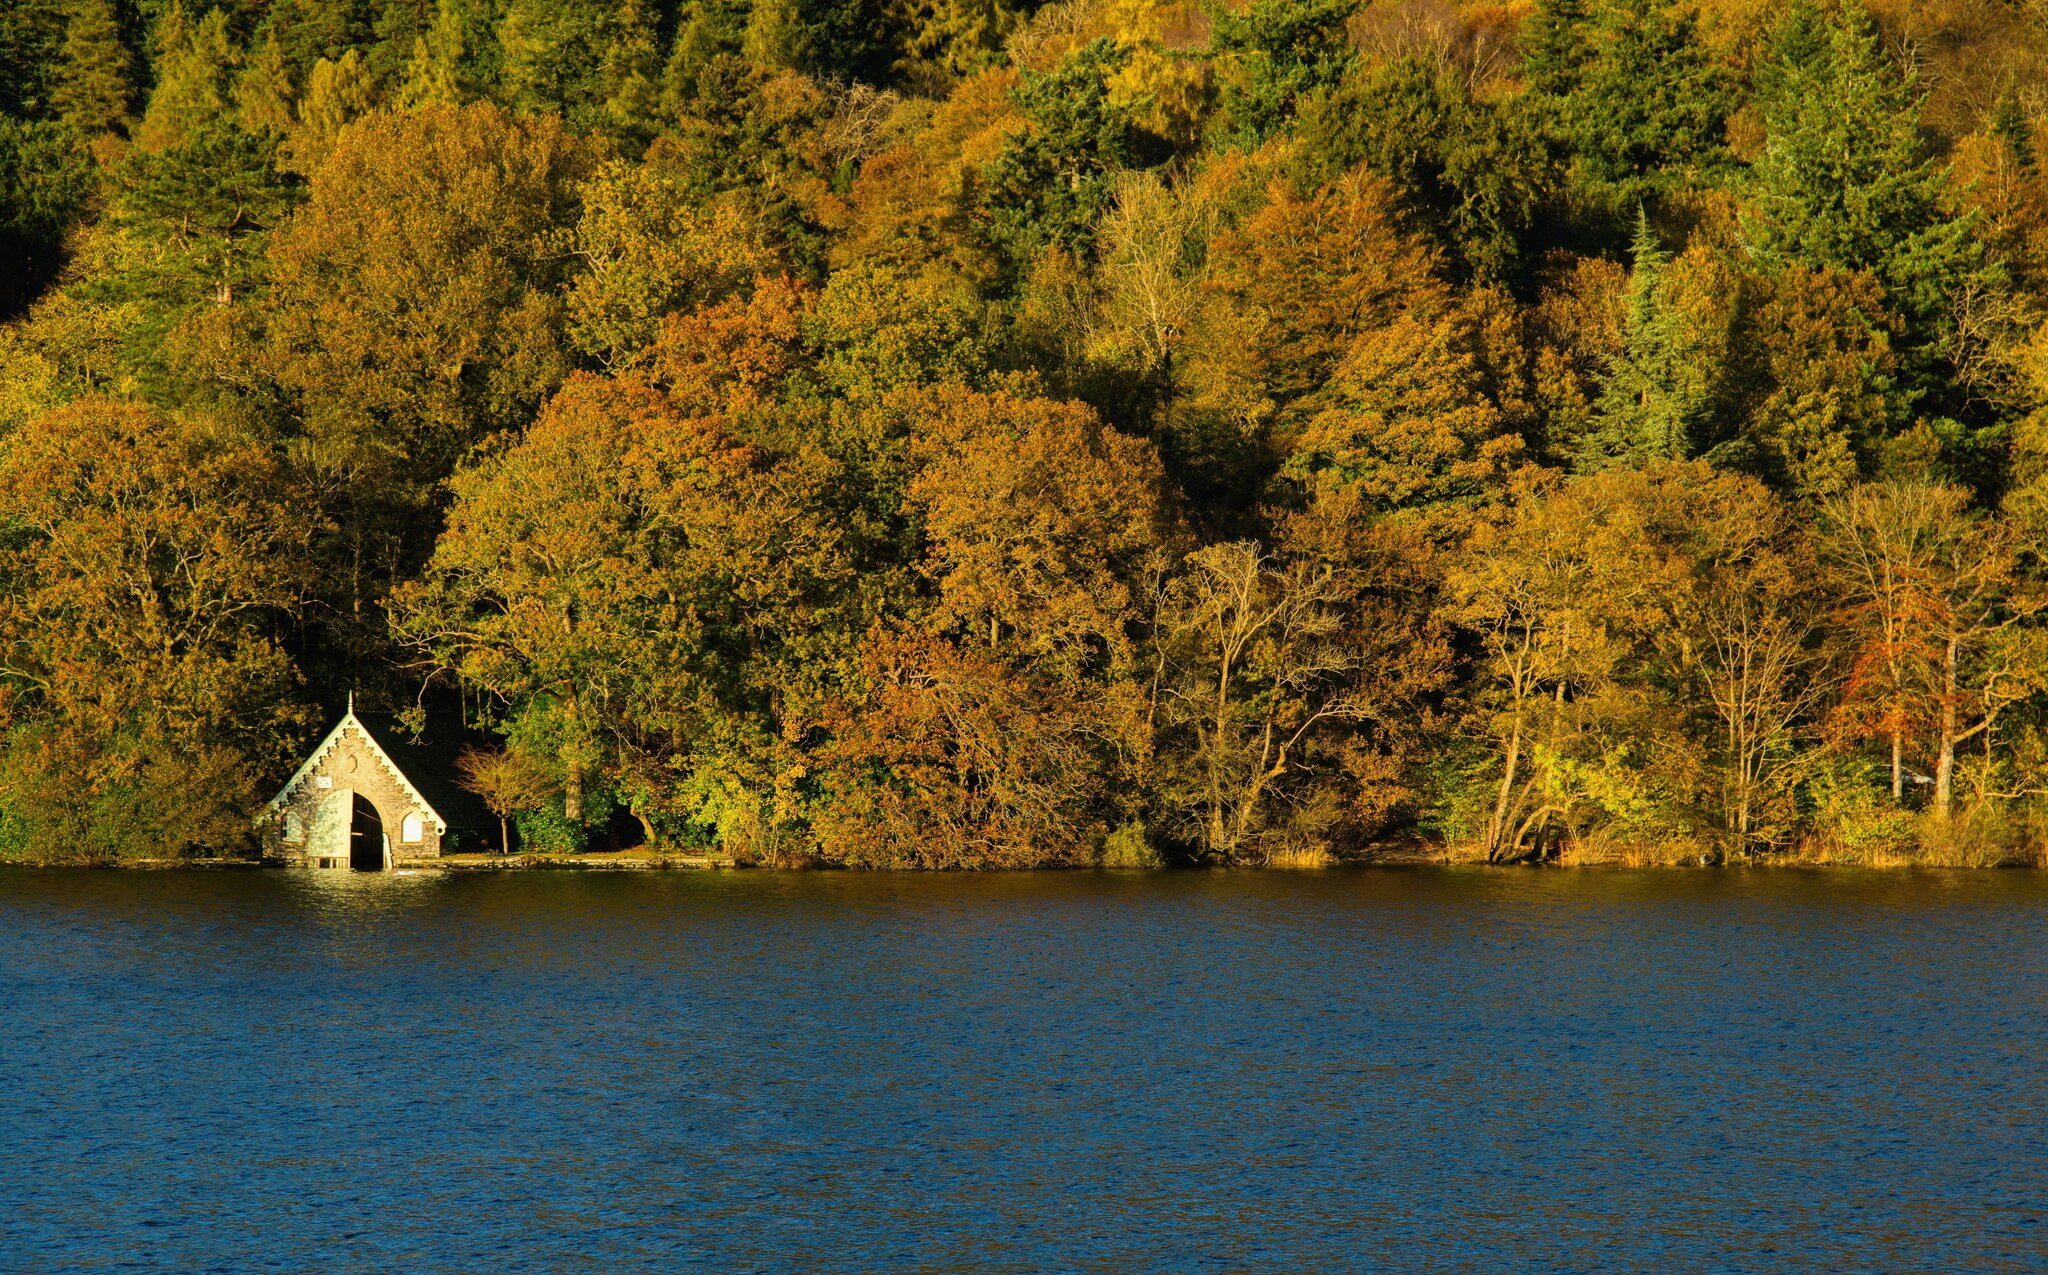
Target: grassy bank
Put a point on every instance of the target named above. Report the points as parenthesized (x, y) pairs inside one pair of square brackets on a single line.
[(1984, 838)]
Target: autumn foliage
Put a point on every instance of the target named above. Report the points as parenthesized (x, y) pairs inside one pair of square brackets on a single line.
[(1010, 434)]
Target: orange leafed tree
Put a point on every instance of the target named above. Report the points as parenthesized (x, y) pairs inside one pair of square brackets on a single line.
[(1003, 723), (1305, 275), (569, 580), (151, 565), (413, 305)]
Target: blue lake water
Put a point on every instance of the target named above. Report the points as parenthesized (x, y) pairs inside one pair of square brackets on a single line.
[(1383, 1070)]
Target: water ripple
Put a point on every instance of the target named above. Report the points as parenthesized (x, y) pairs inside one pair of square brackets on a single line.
[(1427, 1070)]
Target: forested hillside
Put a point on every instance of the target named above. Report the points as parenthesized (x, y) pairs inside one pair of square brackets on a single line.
[(985, 433)]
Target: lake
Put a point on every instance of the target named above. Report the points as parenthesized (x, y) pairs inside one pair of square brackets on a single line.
[(1455, 1070)]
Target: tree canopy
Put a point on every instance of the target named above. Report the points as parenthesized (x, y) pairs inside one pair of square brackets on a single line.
[(998, 433)]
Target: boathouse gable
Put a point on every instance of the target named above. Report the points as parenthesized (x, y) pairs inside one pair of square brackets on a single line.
[(312, 821)]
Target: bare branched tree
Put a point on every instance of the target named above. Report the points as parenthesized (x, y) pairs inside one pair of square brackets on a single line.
[(1259, 667)]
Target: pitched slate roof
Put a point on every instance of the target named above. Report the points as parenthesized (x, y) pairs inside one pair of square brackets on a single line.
[(429, 763), (426, 765)]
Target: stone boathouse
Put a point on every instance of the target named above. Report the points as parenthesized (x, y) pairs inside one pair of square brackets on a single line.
[(372, 797)]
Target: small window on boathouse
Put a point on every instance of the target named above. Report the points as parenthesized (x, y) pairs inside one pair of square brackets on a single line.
[(411, 829)]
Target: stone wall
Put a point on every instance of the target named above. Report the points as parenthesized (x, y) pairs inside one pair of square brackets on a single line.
[(347, 763)]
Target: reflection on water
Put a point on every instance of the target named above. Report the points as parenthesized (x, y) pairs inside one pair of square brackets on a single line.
[(1457, 1070)]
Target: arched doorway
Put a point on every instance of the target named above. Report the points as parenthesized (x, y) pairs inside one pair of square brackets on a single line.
[(366, 837)]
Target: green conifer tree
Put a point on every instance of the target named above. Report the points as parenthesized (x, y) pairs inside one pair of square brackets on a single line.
[(1654, 99), (1052, 183), (93, 87), (336, 92), (1632, 93), (400, 25), (45, 178), (435, 77), (1471, 173), (944, 39), (263, 91), (774, 35), (706, 30), (2010, 125), (1800, 42), (1844, 182), (309, 30), (205, 203), (1648, 408), (1554, 49), (555, 55), (31, 55), (632, 75), (195, 65), (1278, 52)]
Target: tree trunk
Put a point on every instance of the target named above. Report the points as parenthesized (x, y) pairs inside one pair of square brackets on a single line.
[(1550, 766), (1898, 767), (572, 787), (1216, 835), (1945, 766), (1496, 825)]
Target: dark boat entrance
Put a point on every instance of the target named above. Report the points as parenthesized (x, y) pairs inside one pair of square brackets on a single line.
[(365, 837)]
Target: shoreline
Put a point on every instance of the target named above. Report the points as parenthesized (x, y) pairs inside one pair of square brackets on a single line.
[(628, 862)]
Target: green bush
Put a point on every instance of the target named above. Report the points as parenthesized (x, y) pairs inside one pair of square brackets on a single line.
[(1850, 809), (1128, 847)]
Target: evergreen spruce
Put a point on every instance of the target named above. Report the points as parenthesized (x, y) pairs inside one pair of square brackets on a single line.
[(1472, 174), (949, 38), (1648, 410), (1281, 51), (206, 202), (308, 30), (706, 30), (1632, 93), (336, 92), (400, 26), (263, 91), (31, 55), (45, 178), (434, 77), (1654, 100), (2010, 125), (94, 86), (1051, 185), (1554, 48), (774, 35), (1843, 181), (632, 75), (194, 66), (556, 54)]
